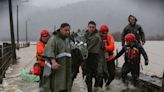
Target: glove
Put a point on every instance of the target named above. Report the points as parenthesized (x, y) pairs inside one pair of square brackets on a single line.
[(146, 62), (111, 57)]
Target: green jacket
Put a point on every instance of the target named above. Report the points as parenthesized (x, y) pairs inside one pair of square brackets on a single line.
[(136, 30), (93, 41), (60, 79)]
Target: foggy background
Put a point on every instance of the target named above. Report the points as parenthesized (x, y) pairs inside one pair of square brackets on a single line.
[(46, 13)]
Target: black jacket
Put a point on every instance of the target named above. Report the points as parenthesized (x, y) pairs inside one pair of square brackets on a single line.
[(134, 58), (136, 30)]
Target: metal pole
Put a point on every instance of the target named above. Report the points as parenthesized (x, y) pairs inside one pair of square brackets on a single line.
[(17, 28), (12, 32), (26, 33)]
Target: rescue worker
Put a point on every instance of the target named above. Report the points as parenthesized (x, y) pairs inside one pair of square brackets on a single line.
[(58, 50), (40, 46), (134, 28), (94, 45), (108, 47), (132, 58)]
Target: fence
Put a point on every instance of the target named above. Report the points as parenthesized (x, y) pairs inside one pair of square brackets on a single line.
[(6, 57), (22, 45)]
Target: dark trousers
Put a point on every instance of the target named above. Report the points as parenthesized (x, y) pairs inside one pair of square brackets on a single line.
[(63, 91), (134, 69), (77, 60), (107, 76), (91, 70), (111, 71), (41, 76)]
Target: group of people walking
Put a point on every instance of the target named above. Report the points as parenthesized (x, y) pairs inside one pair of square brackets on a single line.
[(99, 64)]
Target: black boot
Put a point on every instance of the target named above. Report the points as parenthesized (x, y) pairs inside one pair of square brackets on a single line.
[(89, 83)]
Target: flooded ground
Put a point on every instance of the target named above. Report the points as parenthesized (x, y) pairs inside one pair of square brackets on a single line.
[(19, 85), (14, 82)]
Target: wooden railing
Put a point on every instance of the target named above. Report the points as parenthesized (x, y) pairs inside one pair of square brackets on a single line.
[(5, 59)]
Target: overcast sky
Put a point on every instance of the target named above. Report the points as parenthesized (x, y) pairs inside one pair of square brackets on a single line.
[(47, 13), (26, 12), (52, 3)]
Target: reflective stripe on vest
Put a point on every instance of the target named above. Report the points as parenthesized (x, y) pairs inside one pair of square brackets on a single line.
[(64, 54)]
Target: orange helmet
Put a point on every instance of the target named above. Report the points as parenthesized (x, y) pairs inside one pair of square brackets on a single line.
[(44, 33), (130, 37), (104, 28)]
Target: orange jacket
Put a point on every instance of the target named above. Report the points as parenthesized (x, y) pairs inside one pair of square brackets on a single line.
[(39, 51), (110, 47)]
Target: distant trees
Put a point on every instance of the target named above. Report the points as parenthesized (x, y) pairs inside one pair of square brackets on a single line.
[(156, 37), (117, 37)]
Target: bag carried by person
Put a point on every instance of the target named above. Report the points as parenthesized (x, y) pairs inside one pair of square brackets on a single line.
[(47, 69)]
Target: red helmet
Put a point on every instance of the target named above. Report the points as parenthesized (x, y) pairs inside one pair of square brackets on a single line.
[(130, 37), (44, 33), (104, 28)]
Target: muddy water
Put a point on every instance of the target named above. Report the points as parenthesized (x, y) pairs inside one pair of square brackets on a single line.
[(19, 85), (79, 86), (116, 86)]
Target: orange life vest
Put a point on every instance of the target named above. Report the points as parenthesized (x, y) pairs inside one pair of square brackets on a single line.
[(39, 51), (110, 47)]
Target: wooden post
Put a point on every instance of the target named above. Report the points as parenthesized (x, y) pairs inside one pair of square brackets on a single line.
[(1, 76), (12, 32)]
